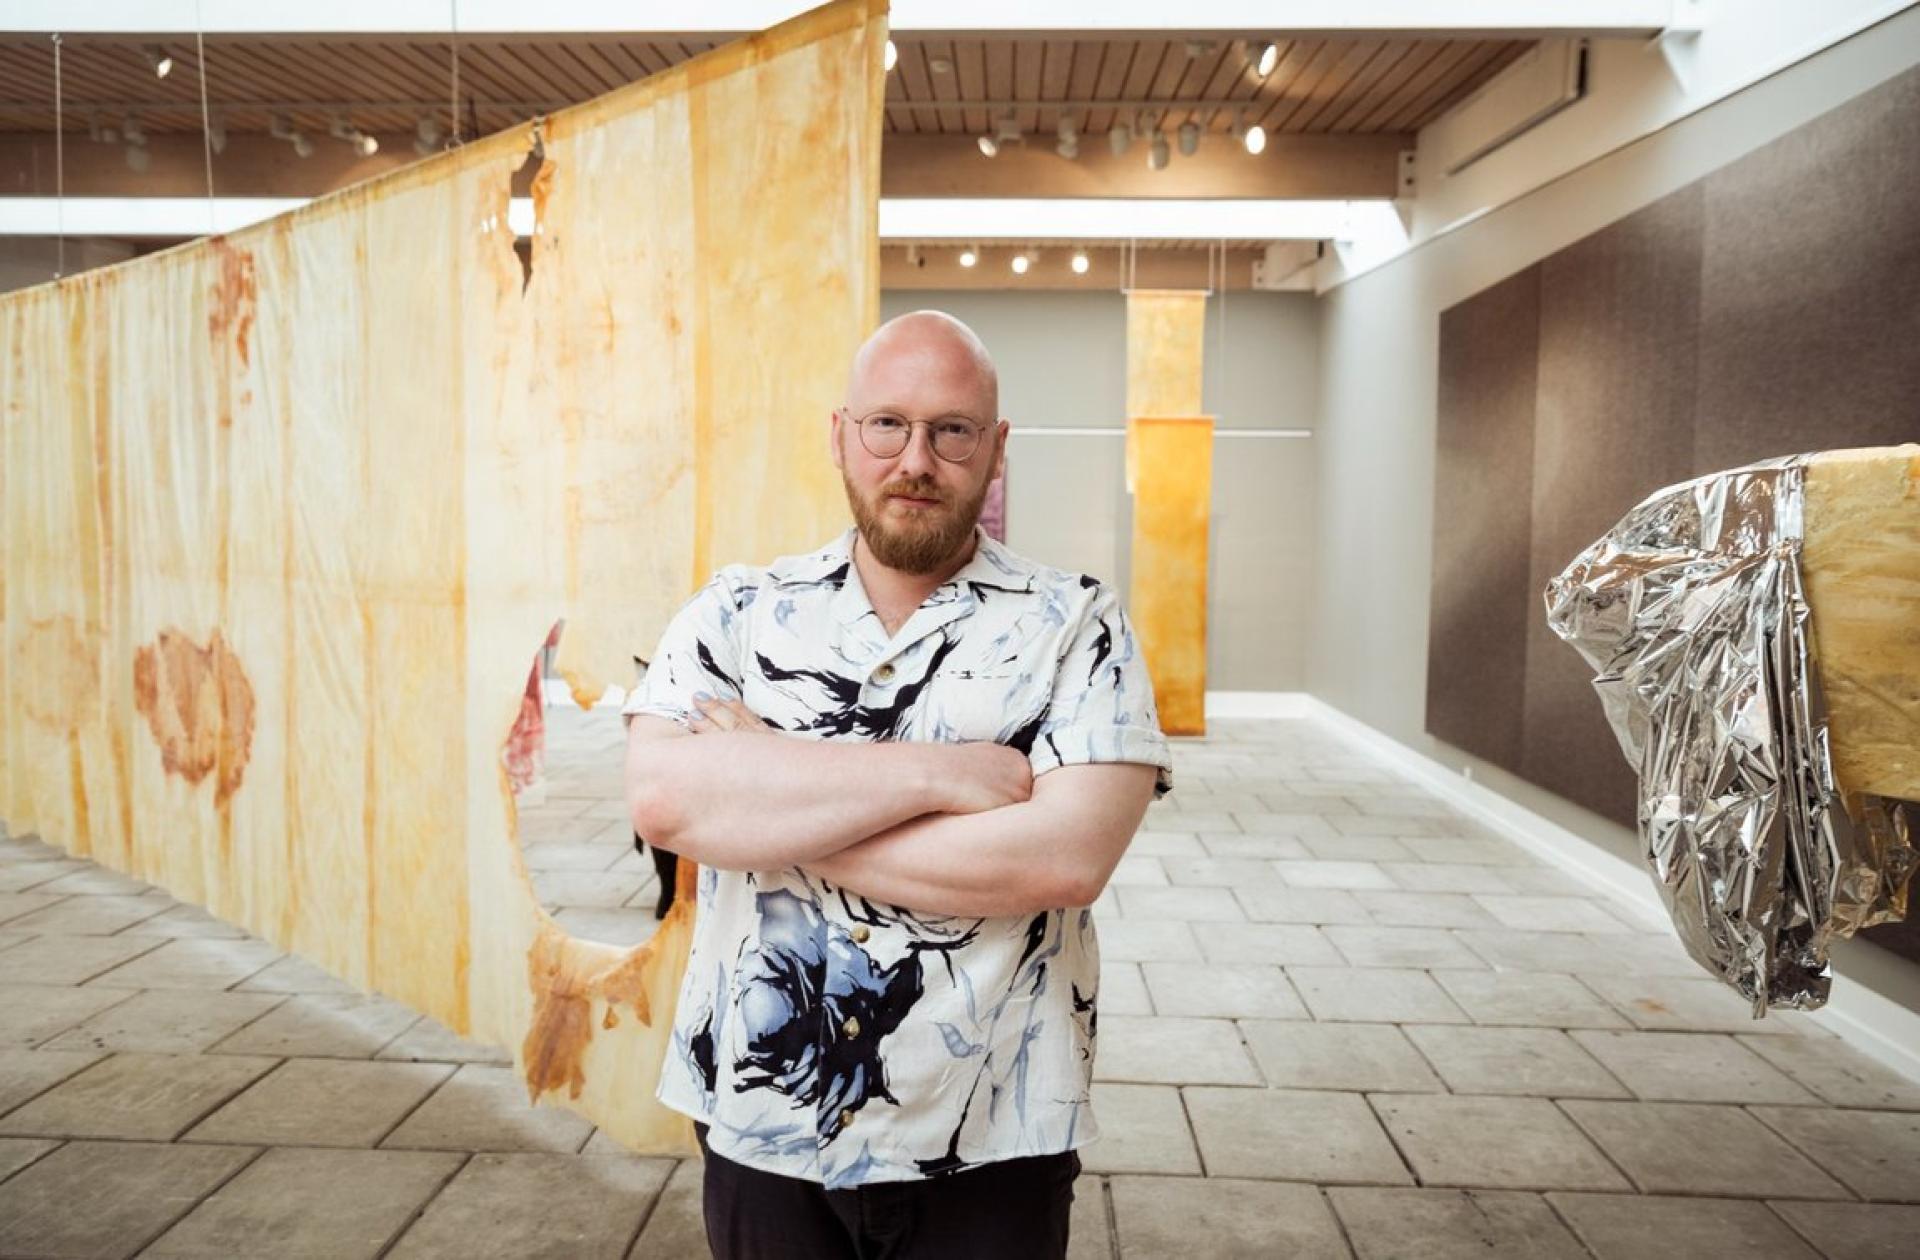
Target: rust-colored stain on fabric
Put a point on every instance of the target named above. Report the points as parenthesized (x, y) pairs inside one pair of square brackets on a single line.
[(235, 298), (199, 705)]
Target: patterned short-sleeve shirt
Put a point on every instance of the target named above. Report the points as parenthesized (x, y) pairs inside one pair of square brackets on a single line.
[(824, 1036)]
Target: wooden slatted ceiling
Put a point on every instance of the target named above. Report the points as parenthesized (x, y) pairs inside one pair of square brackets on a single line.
[(1319, 85)]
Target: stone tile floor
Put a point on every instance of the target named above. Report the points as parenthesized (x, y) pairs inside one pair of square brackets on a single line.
[(1338, 1020)]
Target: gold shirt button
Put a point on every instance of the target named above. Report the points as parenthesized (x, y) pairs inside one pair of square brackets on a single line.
[(860, 934), (846, 1117), (852, 1027), (884, 674)]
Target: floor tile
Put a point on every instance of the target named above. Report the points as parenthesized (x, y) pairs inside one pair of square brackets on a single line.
[(70, 960), (1504, 1143), (322, 1102), (1634, 1226), (601, 888), (310, 1205), (1533, 999), (1143, 1129), (572, 856), (95, 881), (1854, 1231), (1192, 905), (1549, 914), (1220, 873), (484, 1108), (86, 916), (1275, 943), (1537, 1062), (185, 921), (1513, 949), (1159, 1049), (1384, 825), (1688, 1005), (326, 1025), (132, 1191), (1350, 848), (1374, 994), (1697, 1148), (1160, 1218), (24, 1073), (165, 1021), (1292, 1135), (429, 1041), (294, 974), (1255, 849), (1470, 851), (1691, 1067), (193, 963), (15, 905), (623, 927), (32, 1013), (1424, 909), (1134, 870), (1400, 947), (1452, 1225), (1301, 905), (1450, 877), (26, 876), (1299, 826), (1165, 844), (1122, 989), (1300, 1055), (512, 1206), (17, 1153), (676, 1228), (1314, 873), (1875, 1154), (1220, 991), (1837, 1072), (1147, 940), (137, 1097)]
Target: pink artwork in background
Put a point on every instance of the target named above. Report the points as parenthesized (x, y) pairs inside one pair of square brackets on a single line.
[(993, 513)]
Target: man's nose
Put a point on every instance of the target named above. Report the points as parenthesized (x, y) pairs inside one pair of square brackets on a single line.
[(919, 458)]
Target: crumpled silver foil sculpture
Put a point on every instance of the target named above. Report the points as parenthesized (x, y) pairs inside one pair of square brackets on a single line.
[(1693, 612)]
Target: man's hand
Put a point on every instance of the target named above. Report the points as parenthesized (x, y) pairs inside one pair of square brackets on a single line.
[(986, 776)]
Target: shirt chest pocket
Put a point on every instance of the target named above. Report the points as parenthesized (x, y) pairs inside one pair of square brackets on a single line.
[(967, 706)]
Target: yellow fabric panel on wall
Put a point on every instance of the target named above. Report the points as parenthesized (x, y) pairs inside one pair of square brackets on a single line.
[(1166, 349), (288, 514), (1171, 507)]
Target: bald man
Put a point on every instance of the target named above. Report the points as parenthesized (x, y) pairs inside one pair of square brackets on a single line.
[(906, 762)]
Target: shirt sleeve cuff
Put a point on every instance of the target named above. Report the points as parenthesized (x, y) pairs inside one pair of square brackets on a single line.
[(638, 705), (1081, 745)]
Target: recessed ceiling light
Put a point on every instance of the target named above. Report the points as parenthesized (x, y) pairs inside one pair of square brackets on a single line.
[(1256, 140), (1080, 263), (893, 54), (158, 61), (1265, 58), (968, 257), (1020, 264)]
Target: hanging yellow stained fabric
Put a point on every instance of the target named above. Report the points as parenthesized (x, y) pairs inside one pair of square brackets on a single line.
[(288, 514), (1169, 470)]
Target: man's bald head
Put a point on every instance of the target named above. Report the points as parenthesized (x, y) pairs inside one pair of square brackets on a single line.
[(930, 349)]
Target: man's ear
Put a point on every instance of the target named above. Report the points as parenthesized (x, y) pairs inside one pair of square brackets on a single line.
[(833, 441), (1005, 428)]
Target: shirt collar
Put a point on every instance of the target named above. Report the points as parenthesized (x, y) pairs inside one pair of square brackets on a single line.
[(992, 564)]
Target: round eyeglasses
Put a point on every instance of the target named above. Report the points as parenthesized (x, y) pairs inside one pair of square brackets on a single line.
[(885, 435)]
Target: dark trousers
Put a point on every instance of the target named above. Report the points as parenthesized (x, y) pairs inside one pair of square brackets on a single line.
[(1013, 1210)]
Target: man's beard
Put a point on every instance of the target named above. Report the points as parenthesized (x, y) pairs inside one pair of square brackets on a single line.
[(924, 541)]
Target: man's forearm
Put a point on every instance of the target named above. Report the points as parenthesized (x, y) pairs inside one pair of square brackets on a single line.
[(989, 864), (743, 801)]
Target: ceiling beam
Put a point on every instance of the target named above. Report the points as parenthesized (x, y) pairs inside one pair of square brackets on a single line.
[(912, 166), (1483, 19)]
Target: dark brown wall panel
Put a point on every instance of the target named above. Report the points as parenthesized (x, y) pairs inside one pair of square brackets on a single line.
[(1477, 638), (1810, 331), (1619, 312), (1768, 308)]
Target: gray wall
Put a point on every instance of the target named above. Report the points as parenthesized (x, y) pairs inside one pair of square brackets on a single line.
[(1375, 434), (1062, 358)]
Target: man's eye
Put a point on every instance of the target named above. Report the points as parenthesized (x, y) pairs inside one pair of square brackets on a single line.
[(955, 429), (886, 424)]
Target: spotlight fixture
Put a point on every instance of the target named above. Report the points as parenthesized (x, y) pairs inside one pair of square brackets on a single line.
[(1263, 58), (1252, 138), (1189, 138), (940, 65), (302, 147), (1119, 138), (426, 135), (281, 127), (1159, 153), (969, 256), (1006, 131), (893, 55), (101, 133), (1069, 143), (1080, 263), (1020, 263), (138, 158), (158, 61), (362, 143)]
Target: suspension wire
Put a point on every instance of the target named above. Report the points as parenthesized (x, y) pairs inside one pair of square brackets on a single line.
[(453, 93), (59, 169), (206, 115)]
